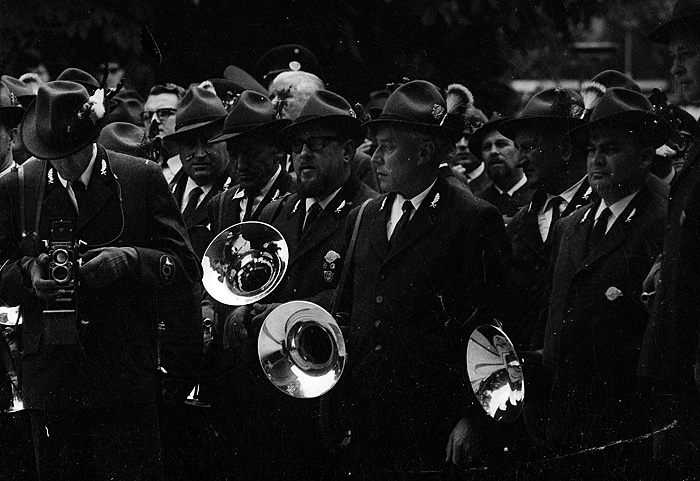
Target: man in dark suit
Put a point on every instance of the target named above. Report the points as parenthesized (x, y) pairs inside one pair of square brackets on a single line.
[(88, 360), (200, 118), (557, 170), (428, 258), (250, 132), (670, 351), (596, 322), (510, 189)]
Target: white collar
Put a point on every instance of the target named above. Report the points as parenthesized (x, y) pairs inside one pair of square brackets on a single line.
[(617, 208), (417, 200), (476, 172), (190, 186), (322, 202), (240, 192), (512, 190)]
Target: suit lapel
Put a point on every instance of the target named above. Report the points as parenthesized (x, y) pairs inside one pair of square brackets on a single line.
[(277, 190), (377, 227)]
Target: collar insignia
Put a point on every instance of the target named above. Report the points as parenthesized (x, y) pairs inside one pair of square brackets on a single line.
[(103, 170), (381, 208), (50, 176), (585, 216), (337, 211), (296, 206), (629, 217), (436, 199), (588, 193)]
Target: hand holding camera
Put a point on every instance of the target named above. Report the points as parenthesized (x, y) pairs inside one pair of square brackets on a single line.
[(44, 285), (100, 267)]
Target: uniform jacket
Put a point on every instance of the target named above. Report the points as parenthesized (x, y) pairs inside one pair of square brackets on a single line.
[(527, 276), (480, 183), (508, 205), (198, 223), (597, 321), (412, 307), (231, 213), (127, 203), (671, 339)]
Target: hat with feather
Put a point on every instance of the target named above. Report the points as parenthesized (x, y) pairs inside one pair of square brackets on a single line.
[(592, 90), (420, 105), (478, 137)]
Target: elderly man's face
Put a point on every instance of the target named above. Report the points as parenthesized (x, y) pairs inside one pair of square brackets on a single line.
[(162, 109), (539, 156), (685, 69), (203, 163), (396, 159), (256, 161), (320, 159)]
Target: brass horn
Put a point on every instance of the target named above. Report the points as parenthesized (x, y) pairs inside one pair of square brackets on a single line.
[(301, 349), (495, 373), (245, 263)]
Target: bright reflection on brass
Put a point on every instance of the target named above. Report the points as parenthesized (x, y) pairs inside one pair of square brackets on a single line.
[(495, 373), (244, 263), (301, 349)]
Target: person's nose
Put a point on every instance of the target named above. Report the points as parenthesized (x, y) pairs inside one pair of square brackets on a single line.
[(677, 68)]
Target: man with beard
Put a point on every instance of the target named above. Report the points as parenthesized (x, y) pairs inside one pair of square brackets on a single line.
[(201, 117), (510, 189), (322, 139)]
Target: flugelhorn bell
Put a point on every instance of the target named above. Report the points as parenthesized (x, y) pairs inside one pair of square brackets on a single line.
[(244, 263), (495, 373), (301, 349)]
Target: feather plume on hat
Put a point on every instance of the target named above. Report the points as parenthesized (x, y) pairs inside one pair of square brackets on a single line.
[(591, 92), (459, 102)]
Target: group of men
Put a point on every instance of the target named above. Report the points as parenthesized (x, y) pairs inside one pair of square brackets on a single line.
[(555, 223)]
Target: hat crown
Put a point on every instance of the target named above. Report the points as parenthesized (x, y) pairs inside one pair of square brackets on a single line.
[(199, 106), (418, 102), (324, 103), (554, 103), (613, 78), (252, 109), (79, 76), (617, 101)]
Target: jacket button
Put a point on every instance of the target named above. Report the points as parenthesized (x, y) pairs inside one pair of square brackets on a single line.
[(377, 323), (537, 268), (378, 347), (379, 299)]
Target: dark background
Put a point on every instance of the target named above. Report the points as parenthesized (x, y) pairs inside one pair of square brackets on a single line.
[(362, 45)]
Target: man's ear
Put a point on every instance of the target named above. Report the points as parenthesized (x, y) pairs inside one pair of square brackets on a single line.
[(14, 138), (349, 148), (426, 152), (647, 157), (566, 150)]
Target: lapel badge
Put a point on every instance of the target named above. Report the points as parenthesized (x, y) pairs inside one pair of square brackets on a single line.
[(331, 256), (613, 293), (103, 170), (167, 269), (629, 217), (340, 207), (436, 199), (381, 207), (329, 265)]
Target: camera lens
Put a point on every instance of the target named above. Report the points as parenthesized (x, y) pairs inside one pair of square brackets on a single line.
[(60, 274), (60, 256)]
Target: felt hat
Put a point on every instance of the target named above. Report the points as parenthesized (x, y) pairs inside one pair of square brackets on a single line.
[(627, 108), (327, 108), (63, 119), (81, 77), (284, 58), (253, 113), (478, 136), (419, 104), (10, 111), (242, 78), (23, 93), (684, 22), (198, 108), (127, 106), (552, 107), (129, 139)]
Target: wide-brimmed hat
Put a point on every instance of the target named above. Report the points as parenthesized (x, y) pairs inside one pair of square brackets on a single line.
[(627, 108), (327, 108), (556, 107), (10, 111), (80, 77), (284, 58), (684, 23), (418, 104), (198, 108), (478, 136), (127, 106), (23, 93), (63, 119), (614, 78), (128, 139), (240, 77), (252, 114)]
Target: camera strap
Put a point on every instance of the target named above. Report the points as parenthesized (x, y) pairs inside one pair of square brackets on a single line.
[(23, 200)]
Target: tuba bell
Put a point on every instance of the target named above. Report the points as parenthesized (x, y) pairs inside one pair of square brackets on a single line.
[(301, 349), (244, 263), (495, 373)]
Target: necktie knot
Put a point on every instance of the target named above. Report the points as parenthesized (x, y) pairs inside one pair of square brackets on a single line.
[(407, 207), (312, 214), (250, 196), (192, 202), (599, 228)]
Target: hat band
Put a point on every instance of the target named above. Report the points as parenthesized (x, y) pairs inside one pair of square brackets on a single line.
[(431, 121), (198, 120)]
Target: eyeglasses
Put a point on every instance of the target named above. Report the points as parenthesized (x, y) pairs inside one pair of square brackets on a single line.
[(315, 144), (163, 114)]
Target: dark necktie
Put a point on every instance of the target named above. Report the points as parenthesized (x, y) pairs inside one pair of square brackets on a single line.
[(555, 202), (598, 230), (407, 207), (192, 202), (312, 214), (79, 190), (250, 196)]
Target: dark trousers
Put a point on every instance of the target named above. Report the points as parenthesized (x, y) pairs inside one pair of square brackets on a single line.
[(112, 443)]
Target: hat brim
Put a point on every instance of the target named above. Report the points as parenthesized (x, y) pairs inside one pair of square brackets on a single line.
[(452, 134), (190, 127), (510, 127), (272, 128), (477, 137), (680, 26), (40, 150), (648, 126), (344, 123)]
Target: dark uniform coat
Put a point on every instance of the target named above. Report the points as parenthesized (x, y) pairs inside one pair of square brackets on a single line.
[(411, 309), (127, 203), (597, 321), (508, 205)]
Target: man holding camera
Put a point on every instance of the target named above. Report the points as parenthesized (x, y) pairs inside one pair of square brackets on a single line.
[(94, 249)]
